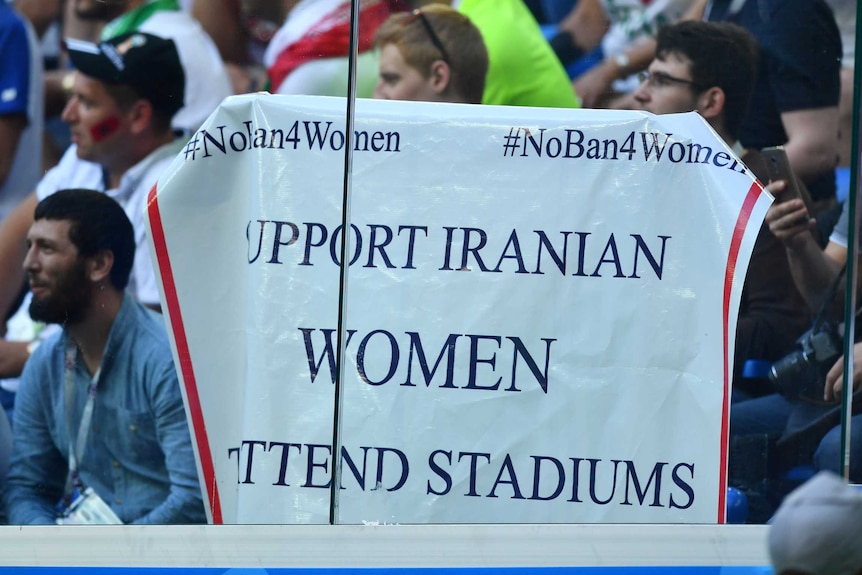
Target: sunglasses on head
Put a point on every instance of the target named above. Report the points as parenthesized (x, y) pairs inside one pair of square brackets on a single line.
[(418, 14)]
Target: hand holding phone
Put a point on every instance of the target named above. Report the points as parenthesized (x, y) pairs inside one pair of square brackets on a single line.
[(778, 168)]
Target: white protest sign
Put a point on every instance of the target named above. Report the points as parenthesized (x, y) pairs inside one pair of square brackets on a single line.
[(539, 311)]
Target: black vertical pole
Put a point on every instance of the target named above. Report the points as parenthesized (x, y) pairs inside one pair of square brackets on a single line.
[(335, 482), (852, 254)]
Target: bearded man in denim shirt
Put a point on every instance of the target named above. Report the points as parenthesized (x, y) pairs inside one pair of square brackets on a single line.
[(99, 407)]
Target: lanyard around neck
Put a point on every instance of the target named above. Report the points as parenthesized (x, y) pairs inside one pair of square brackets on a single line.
[(78, 445)]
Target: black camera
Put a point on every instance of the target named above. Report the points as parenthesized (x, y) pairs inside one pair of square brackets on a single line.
[(802, 373)]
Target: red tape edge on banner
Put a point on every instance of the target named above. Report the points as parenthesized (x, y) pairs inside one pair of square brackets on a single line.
[(735, 241), (172, 303)]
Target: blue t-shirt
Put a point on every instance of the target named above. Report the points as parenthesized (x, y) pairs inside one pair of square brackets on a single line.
[(14, 62)]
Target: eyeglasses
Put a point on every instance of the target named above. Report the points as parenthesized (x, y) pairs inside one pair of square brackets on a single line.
[(417, 13), (662, 80)]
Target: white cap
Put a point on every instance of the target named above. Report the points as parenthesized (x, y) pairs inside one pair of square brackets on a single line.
[(818, 529)]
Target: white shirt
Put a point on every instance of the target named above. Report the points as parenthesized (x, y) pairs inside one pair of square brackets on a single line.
[(632, 20), (207, 82), (323, 76)]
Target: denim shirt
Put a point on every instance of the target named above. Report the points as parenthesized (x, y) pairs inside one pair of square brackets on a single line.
[(138, 456)]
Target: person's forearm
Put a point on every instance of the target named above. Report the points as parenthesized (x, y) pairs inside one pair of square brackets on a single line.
[(586, 24), (184, 502), (31, 491), (13, 356), (814, 272), (13, 233), (595, 87), (812, 140), (23, 507), (11, 128), (224, 27), (31, 512), (811, 158), (636, 58), (695, 11), (183, 506)]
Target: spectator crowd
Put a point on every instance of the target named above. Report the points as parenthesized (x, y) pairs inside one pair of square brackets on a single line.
[(98, 96)]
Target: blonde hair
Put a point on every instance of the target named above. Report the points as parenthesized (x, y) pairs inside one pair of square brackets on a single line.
[(464, 48)]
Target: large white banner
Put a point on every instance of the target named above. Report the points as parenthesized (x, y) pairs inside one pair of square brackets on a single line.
[(540, 310)]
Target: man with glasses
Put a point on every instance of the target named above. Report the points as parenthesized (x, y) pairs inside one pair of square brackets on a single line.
[(433, 54), (710, 68)]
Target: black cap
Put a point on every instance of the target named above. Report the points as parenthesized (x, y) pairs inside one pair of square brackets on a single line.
[(148, 64)]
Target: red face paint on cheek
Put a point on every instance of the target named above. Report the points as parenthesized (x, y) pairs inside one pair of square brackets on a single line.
[(105, 128)]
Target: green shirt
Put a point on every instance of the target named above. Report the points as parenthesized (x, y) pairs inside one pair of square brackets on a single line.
[(132, 20), (523, 70)]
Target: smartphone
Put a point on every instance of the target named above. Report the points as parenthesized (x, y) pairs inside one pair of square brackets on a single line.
[(778, 168)]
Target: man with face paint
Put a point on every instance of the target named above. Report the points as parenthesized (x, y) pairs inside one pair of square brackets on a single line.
[(124, 95), (206, 84), (207, 81)]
